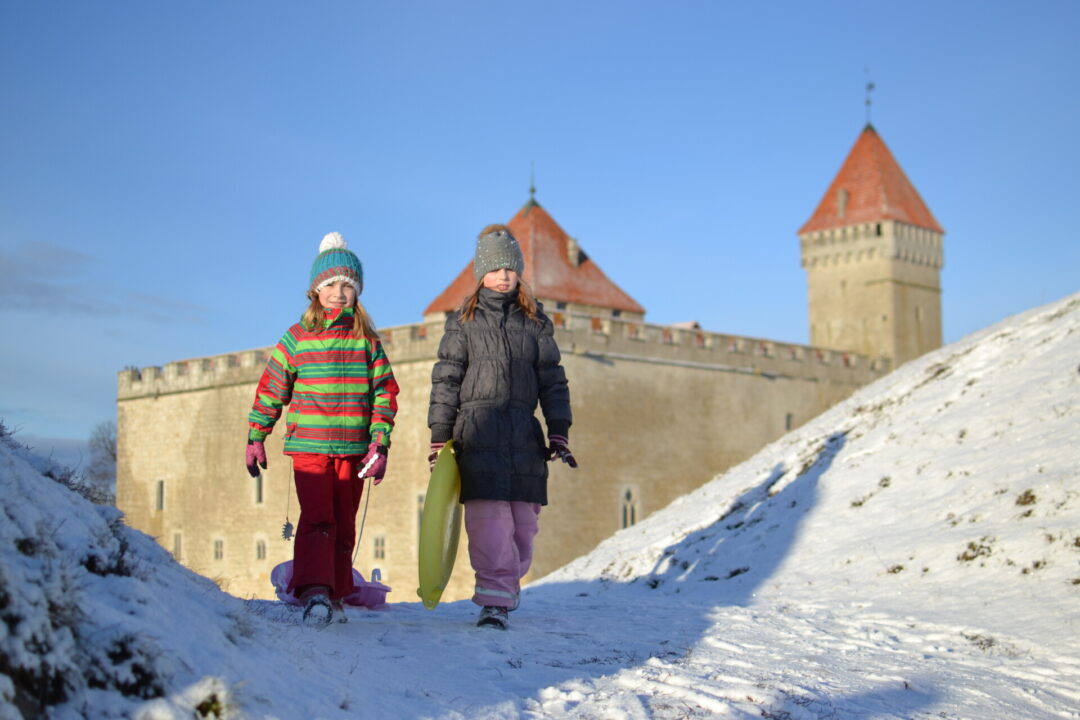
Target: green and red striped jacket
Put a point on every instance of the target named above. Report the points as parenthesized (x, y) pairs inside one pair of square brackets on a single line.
[(340, 390)]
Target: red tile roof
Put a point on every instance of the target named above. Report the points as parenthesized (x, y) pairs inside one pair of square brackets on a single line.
[(548, 269), (877, 189)]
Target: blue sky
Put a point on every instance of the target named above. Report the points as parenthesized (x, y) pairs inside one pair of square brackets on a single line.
[(169, 168)]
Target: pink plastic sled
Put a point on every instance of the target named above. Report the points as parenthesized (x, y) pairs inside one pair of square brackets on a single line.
[(369, 594)]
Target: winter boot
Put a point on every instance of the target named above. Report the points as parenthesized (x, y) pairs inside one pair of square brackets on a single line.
[(339, 611), (317, 610), (493, 616)]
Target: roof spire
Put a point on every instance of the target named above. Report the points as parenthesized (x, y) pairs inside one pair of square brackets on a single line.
[(532, 189), (869, 89)]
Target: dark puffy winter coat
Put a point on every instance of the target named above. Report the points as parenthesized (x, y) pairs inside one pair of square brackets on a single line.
[(491, 373)]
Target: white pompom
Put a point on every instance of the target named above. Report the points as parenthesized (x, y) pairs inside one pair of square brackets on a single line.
[(332, 241)]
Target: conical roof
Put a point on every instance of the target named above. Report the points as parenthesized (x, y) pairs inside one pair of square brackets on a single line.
[(555, 268), (870, 187)]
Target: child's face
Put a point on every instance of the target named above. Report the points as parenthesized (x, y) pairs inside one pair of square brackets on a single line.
[(337, 295), (503, 280)]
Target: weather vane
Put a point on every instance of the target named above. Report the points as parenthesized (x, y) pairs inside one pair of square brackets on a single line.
[(532, 181), (869, 89)]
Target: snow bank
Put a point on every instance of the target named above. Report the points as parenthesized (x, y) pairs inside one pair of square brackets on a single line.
[(86, 601), (948, 487)]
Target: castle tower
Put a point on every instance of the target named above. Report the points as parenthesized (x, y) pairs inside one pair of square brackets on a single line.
[(873, 254), (559, 272)]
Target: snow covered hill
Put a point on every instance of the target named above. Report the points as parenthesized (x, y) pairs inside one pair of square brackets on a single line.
[(912, 553)]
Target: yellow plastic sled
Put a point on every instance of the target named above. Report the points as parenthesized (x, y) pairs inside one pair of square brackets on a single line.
[(440, 527)]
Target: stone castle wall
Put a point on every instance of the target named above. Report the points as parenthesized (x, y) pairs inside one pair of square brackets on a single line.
[(639, 391)]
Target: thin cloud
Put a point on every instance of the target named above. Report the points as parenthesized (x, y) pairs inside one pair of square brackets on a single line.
[(48, 278)]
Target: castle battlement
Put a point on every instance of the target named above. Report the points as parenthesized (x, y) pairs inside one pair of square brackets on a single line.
[(887, 239), (583, 334)]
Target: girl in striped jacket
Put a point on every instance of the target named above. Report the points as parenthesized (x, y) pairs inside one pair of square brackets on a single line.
[(332, 372)]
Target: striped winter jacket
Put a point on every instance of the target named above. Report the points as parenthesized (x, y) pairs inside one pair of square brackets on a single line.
[(340, 390)]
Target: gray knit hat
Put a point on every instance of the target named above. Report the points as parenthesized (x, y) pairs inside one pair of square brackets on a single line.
[(496, 248)]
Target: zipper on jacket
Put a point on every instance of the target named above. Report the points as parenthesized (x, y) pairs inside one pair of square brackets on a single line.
[(509, 379)]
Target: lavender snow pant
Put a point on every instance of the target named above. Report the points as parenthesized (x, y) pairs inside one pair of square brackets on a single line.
[(500, 547)]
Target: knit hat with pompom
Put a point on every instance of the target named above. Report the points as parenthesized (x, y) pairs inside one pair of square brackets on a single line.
[(336, 262)]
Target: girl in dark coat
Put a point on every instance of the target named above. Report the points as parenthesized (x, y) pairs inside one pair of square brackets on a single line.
[(497, 361)]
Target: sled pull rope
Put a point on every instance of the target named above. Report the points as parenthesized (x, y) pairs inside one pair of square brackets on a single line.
[(363, 519)]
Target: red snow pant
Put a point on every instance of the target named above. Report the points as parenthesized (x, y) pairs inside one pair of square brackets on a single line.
[(329, 493), (500, 548)]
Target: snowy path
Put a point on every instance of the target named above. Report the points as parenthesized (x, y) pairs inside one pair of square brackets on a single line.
[(612, 656)]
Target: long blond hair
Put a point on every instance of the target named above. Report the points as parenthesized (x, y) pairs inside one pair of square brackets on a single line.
[(525, 300), (363, 326)]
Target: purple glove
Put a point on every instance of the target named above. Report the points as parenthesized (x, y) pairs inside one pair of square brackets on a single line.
[(374, 463), (256, 453), (560, 448), (434, 454)]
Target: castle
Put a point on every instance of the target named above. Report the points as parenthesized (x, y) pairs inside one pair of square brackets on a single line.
[(872, 252)]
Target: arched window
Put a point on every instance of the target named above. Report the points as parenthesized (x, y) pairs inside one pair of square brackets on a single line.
[(630, 508)]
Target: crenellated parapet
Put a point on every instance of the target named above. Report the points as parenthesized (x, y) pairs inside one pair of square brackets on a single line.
[(635, 341), (885, 240), (613, 338), (217, 371)]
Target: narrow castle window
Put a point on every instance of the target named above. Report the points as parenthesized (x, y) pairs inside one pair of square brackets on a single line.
[(260, 549), (177, 545), (877, 229), (789, 421), (630, 507), (380, 547), (159, 496), (259, 490), (219, 549)]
